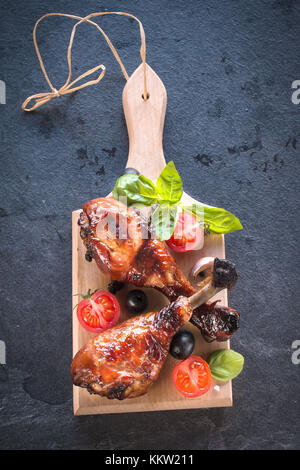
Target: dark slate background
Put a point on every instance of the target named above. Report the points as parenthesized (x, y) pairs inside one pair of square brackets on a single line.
[(233, 132)]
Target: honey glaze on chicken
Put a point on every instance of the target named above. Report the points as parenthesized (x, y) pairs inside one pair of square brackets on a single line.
[(134, 255), (125, 361), (125, 249)]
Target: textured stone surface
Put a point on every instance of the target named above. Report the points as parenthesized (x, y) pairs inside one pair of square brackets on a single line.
[(234, 135)]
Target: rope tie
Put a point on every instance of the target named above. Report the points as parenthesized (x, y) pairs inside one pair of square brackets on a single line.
[(68, 87)]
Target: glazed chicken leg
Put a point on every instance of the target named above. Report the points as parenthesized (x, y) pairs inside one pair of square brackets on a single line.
[(125, 361), (124, 248)]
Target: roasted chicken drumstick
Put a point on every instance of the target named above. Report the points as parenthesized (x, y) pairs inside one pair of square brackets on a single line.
[(122, 244), (125, 361)]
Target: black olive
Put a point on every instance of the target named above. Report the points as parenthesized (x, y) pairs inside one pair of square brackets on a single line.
[(136, 301), (182, 344), (131, 171), (115, 286)]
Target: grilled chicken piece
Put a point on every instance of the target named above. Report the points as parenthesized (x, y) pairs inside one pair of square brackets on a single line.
[(125, 361), (126, 250)]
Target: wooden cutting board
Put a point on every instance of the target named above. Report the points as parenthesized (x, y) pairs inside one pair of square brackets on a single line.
[(145, 121)]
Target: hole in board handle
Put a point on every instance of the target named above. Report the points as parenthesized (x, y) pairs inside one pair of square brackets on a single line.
[(148, 96)]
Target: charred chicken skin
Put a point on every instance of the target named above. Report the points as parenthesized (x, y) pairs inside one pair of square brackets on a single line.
[(216, 323)]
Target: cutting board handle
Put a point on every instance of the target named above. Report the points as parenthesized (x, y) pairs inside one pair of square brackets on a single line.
[(145, 122)]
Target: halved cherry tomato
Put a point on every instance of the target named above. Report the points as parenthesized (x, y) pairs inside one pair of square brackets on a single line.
[(192, 377), (98, 311), (188, 235)]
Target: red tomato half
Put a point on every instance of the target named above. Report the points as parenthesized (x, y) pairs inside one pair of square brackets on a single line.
[(192, 377), (99, 312), (188, 235)]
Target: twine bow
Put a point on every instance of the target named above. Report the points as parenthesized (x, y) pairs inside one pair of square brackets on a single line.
[(68, 87)]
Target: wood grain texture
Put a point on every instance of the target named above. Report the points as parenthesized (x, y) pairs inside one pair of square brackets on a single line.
[(145, 120)]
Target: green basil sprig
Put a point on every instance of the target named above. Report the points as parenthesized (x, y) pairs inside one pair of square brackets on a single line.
[(167, 193), (225, 364), (139, 189)]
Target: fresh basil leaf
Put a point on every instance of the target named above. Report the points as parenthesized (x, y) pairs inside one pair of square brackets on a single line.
[(221, 220), (169, 184), (136, 188), (147, 188), (225, 364), (218, 219), (163, 220)]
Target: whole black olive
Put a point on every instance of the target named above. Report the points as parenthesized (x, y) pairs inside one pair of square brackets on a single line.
[(182, 344), (136, 301), (131, 171)]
